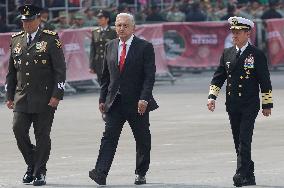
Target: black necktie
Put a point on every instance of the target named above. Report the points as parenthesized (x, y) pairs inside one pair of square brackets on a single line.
[(238, 54), (30, 39)]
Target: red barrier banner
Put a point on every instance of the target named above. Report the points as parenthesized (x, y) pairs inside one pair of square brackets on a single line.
[(154, 34), (76, 47), (4, 56), (176, 44), (198, 44), (275, 41)]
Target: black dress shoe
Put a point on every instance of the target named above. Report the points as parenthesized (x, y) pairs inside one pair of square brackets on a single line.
[(28, 177), (100, 179), (140, 180), (39, 180)]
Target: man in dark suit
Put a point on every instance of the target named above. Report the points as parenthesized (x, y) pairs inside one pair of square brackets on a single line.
[(35, 85), (126, 95), (245, 69)]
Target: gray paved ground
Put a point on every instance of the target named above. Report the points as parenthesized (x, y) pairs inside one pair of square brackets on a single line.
[(191, 147)]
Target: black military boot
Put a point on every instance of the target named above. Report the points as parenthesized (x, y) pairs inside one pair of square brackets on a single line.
[(238, 180), (28, 177), (249, 180), (140, 180), (39, 180)]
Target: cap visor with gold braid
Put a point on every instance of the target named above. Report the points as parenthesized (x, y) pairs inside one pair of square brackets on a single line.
[(239, 23)]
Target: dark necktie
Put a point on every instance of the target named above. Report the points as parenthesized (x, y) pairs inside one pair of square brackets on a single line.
[(30, 39), (238, 54)]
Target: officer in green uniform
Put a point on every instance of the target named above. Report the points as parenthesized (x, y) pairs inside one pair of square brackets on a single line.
[(34, 86), (245, 69), (100, 37)]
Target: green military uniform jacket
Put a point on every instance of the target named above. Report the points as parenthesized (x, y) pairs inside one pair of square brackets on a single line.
[(36, 72), (99, 39)]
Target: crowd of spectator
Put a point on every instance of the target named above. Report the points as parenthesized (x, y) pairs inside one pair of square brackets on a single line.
[(146, 11)]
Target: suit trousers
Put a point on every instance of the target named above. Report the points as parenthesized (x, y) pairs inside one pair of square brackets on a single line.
[(242, 125), (36, 156), (115, 119)]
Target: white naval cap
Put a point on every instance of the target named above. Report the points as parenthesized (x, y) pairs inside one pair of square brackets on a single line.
[(240, 23)]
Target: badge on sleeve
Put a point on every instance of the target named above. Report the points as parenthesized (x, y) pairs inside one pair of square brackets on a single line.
[(61, 85)]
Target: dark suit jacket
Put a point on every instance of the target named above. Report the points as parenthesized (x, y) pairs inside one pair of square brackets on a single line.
[(36, 72), (136, 80), (244, 77)]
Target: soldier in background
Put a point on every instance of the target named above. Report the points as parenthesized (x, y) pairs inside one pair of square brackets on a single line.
[(35, 85), (44, 14), (90, 19), (79, 21), (245, 69), (61, 21), (100, 37)]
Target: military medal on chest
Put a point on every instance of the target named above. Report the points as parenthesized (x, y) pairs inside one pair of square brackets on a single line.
[(249, 62), (41, 46)]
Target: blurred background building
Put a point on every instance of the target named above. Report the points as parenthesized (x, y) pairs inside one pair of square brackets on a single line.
[(61, 14)]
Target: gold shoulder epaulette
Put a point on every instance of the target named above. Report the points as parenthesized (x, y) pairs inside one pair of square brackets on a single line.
[(17, 34), (49, 32)]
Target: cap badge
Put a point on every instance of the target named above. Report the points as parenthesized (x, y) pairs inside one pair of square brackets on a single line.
[(235, 21)]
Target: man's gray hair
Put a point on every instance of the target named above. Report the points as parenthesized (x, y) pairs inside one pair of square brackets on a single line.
[(130, 17)]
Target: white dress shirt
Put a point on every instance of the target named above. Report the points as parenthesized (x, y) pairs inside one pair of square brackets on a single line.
[(120, 47), (243, 48), (104, 28), (33, 35)]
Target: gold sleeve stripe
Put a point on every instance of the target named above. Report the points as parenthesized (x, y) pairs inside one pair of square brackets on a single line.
[(267, 98), (214, 90)]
